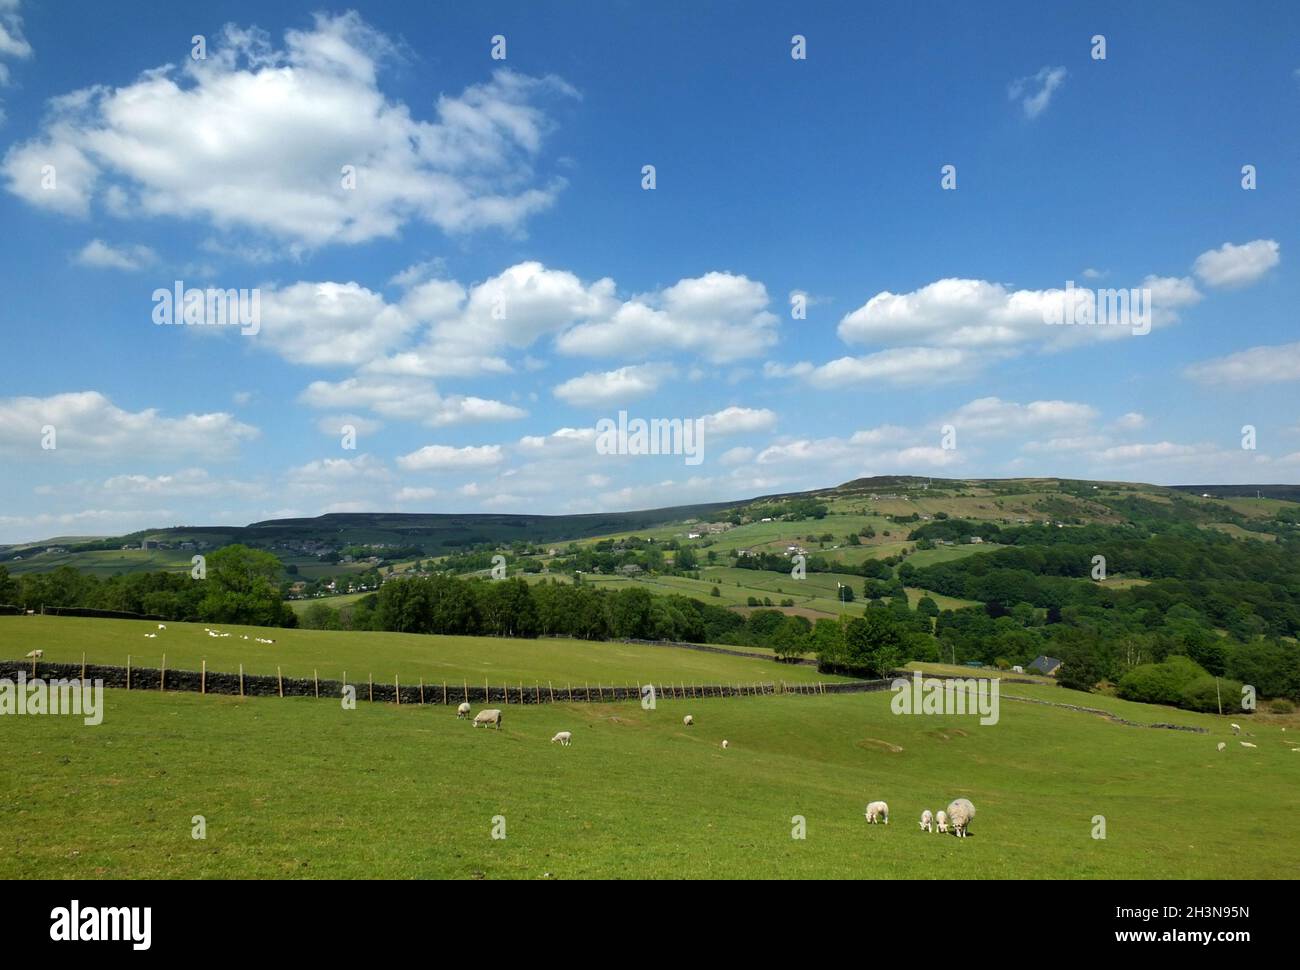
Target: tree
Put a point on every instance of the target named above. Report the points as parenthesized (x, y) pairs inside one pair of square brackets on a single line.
[(242, 586), (8, 587), (874, 643), (629, 613)]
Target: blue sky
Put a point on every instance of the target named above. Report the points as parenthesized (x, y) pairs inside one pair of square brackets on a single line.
[(497, 280)]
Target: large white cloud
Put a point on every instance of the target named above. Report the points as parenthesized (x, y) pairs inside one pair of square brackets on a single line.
[(101, 255), (994, 416), (721, 317), (1242, 265), (256, 137), (738, 420), (330, 323), (612, 387), (88, 425), (1245, 368), (898, 366), (406, 399), (979, 314), (448, 458)]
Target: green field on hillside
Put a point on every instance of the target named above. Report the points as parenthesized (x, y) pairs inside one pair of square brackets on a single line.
[(107, 562), (303, 788), (385, 655)]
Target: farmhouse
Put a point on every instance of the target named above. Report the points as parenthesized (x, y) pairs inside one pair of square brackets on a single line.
[(1045, 665)]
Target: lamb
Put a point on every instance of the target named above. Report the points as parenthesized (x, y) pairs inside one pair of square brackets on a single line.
[(1236, 728), (725, 744), (960, 813), (688, 720), (1247, 744), (875, 811), (36, 655), (462, 711), (941, 821), (927, 821), (1222, 745), (492, 717), (564, 737), (162, 626)]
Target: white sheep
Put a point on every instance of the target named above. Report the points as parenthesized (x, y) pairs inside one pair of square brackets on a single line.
[(1236, 728), (151, 636), (725, 744), (36, 655), (462, 711), (875, 811), (688, 720), (162, 626), (941, 821), (1222, 745), (1247, 744), (960, 813), (927, 821), (564, 737), (492, 717)]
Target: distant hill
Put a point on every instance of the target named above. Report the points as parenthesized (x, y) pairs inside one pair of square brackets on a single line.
[(1071, 501)]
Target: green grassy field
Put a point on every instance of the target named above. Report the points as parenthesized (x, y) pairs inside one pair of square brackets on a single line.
[(107, 562), (302, 788), (385, 655)]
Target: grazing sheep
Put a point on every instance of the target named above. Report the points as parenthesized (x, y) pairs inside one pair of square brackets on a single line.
[(875, 811), (941, 821), (1247, 744), (564, 737), (1236, 728), (688, 720), (725, 744), (927, 821), (492, 717), (151, 636), (162, 626), (960, 813), (36, 655), (462, 711), (1222, 745)]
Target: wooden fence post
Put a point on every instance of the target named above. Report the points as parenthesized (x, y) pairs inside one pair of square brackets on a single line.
[(444, 692), (465, 683), (203, 678), (315, 679), (128, 671), (83, 667), (551, 688), (370, 681), (162, 674), (241, 680), (570, 693), (397, 690), (280, 678), (422, 690), (587, 695)]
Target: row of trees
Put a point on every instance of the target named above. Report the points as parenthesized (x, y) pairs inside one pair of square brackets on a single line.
[(240, 585)]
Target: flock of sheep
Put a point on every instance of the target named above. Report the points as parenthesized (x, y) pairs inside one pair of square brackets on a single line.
[(492, 716), (957, 819)]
